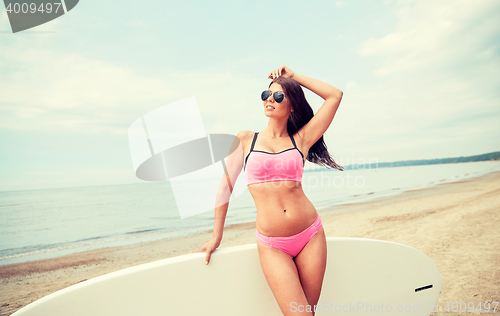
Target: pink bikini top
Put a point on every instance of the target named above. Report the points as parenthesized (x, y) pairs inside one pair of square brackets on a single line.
[(261, 166)]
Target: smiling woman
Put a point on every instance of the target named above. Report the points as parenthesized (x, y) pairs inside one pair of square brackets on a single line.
[(299, 115), (291, 239)]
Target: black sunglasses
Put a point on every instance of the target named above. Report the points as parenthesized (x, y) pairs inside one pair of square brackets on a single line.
[(278, 96)]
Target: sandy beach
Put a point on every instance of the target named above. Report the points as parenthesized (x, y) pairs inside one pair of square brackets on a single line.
[(456, 224)]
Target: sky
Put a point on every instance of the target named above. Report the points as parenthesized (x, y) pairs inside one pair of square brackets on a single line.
[(420, 79)]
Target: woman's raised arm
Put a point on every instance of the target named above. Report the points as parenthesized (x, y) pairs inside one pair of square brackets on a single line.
[(320, 122)]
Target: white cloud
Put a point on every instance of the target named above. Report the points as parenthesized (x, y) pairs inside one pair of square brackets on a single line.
[(435, 91), (341, 4), (46, 90), (55, 91), (137, 23), (351, 85), (434, 34)]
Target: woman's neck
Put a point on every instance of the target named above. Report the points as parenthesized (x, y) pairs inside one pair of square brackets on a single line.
[(276, 128)]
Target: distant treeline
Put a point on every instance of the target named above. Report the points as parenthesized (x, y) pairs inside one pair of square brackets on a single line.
[(483, 157)]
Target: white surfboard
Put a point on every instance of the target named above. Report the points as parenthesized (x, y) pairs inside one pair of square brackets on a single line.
[(363, 277)]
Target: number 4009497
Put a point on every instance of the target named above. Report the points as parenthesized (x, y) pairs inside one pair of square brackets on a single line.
[(32, 8), (470, 307)]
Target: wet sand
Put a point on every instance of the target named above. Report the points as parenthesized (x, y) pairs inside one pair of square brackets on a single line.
[(456, 224)]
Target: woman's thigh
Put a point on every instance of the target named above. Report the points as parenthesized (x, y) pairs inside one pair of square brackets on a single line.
[(311, 266), (283, 279)]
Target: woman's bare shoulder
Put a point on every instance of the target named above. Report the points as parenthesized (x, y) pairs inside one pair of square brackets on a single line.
[(245, 135), (245, 138)]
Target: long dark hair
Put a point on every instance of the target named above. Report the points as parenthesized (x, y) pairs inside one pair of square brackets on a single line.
[(302, 113)]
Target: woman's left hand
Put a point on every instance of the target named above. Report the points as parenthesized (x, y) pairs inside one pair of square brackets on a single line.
[(282, 71)]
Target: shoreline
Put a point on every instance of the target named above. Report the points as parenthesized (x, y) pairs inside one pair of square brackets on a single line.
[(453, 223), (69, 248)]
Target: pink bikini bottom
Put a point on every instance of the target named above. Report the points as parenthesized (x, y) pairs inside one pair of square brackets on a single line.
[(291, 245)]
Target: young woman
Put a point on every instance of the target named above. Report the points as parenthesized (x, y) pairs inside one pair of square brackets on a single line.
[(291, 239)]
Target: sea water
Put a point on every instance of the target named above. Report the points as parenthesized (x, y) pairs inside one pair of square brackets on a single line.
[(39, 224)]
